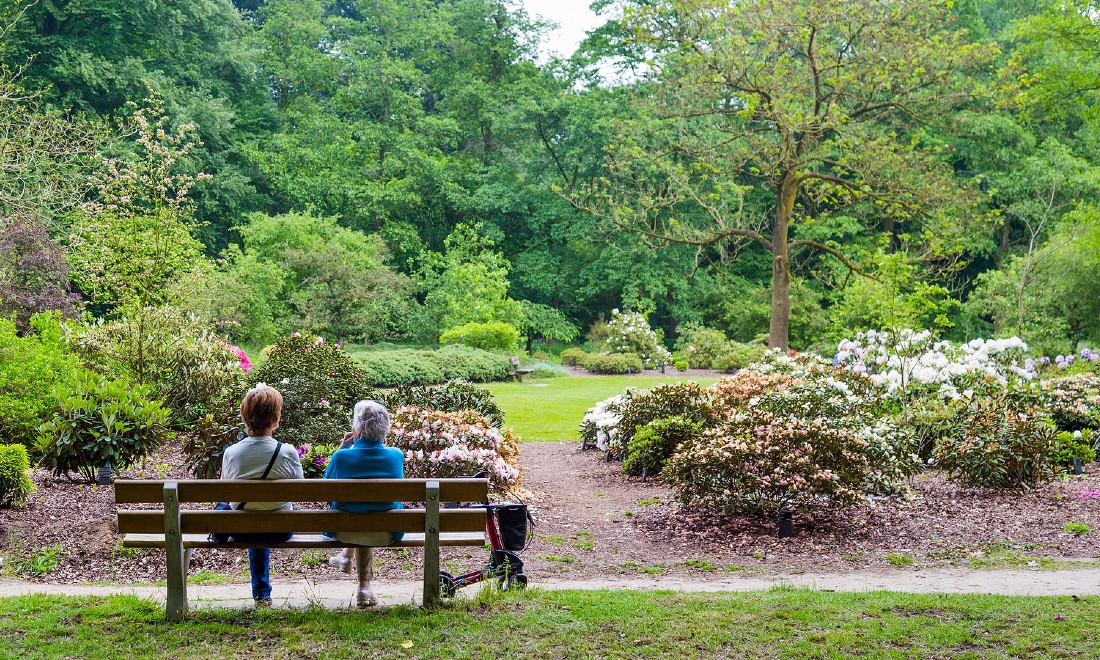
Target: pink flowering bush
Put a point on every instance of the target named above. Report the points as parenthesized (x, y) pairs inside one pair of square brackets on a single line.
[(314, 458), (454, 444), (760, 462), (242, 357), (746, 385)]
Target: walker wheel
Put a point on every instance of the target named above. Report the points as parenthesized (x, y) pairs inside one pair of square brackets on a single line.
[(447, 584)]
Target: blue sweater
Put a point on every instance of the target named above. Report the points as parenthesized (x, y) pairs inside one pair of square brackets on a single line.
[(367, 458)]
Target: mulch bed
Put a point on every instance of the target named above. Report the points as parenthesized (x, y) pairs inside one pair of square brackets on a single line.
[(594, 522)]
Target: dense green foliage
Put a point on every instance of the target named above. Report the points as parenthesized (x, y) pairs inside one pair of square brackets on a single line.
[(30, 367), (320, 386), (387, 170), (390, 368), (656, 441), (502, 337), (611, 363), (15, 476), (99, 421)]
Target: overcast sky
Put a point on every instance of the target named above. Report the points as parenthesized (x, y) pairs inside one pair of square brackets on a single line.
[(573, 17)]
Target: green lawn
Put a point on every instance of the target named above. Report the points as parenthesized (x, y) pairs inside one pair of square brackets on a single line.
[(555, 411), (782, 623)]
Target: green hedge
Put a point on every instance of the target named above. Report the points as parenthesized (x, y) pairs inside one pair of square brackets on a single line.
[(614, 363), (391, 368)]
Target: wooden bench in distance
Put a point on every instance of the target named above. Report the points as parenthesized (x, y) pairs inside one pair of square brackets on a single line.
[(180, 531), (515, 371)]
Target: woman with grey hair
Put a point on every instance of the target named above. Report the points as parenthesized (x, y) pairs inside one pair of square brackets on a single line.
[(363, 456)]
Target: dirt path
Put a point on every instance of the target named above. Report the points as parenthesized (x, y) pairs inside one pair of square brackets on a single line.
[(595, 523)]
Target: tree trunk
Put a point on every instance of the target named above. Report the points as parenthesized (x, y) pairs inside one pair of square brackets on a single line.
[(779, 327)]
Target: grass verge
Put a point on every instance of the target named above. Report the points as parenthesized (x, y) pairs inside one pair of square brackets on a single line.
[(569, 624), (553, 410)]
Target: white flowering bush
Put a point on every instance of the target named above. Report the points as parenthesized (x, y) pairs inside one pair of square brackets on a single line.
[(907, 360), (454, 444), (629, 332), (600, 425)]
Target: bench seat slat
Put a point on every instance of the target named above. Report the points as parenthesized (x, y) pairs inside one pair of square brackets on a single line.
[(412, 540), (302, 490), (311, 520)]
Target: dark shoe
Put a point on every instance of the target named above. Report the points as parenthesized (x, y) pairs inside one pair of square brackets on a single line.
[(263, 602)]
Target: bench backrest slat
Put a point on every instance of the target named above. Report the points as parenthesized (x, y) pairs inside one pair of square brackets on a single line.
[(307, 490), (204, 522)]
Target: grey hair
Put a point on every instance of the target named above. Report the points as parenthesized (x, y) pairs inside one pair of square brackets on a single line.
[(370, 420)]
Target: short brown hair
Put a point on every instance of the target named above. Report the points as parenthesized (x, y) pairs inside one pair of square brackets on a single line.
[(261, 408)]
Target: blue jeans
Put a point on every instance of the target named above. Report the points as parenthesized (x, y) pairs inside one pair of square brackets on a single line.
[(259, 561)]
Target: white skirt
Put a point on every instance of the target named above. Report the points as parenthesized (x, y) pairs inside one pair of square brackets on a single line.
[(371, 539)]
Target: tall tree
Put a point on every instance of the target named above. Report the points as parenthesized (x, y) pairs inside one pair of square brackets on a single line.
[(807, 109)]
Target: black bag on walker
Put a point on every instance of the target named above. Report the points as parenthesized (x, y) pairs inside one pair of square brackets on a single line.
[(512, 523)]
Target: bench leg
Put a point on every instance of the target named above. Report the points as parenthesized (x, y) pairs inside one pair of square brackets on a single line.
[(431, 544), (176, 606)]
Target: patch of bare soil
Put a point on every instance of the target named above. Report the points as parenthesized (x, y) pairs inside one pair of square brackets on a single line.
[(593, 522)]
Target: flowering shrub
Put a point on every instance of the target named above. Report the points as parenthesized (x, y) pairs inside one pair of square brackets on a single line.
[(314, 458), (441, 444), (687, 400), (452, 396), (1074, 401), (600, 425), (630, 333), (656, 441), (999, 442), (319, 384), (909, 359), (242, 356), (738, 390), (758, 462)]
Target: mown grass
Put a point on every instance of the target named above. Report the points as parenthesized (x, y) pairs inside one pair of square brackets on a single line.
[(784, 623), (552, 409)]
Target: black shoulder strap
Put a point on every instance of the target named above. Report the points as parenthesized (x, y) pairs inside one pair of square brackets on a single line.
[(274, 455)]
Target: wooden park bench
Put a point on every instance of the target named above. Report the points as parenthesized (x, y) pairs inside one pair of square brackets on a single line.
[(517, 372), (179, 531)]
